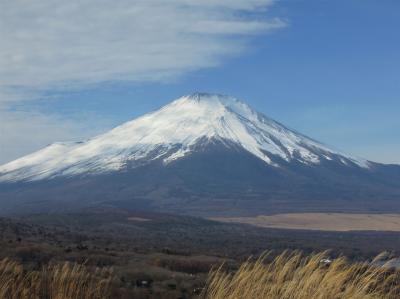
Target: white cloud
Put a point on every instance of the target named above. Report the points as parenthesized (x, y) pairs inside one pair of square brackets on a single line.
[(68, 44), (64, 45), (22, 132)]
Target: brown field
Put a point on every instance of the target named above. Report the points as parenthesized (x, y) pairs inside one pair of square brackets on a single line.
[(324, 221)]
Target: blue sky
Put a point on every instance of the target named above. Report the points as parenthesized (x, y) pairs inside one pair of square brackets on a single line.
[(328, 68)]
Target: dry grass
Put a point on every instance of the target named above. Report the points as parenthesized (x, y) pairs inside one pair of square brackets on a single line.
[(294, 276), (64, 281)]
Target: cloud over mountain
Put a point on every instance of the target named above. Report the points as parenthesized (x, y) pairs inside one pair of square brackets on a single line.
[(67, 45)]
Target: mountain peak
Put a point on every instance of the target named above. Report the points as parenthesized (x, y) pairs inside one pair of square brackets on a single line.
[(209, 99), (174, 132), (205, 96), (214, 106)]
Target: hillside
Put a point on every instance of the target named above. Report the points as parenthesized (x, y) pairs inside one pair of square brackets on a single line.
[(202, 154)]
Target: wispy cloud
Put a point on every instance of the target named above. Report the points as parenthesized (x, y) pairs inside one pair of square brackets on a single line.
[(69, 44)]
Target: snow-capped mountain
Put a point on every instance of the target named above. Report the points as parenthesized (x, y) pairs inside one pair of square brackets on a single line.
[(201, 154), (171, 133)]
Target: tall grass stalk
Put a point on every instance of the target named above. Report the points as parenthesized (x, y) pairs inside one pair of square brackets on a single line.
[(294, 276)]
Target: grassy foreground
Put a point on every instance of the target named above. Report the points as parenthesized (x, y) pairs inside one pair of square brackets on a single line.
[(290, 275), (294, 276), (64, 281)]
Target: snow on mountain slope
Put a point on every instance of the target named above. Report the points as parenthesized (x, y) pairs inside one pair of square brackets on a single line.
[(171, 133)]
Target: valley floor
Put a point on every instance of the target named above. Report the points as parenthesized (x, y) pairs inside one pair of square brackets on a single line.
[(165, 256), (322, 221)]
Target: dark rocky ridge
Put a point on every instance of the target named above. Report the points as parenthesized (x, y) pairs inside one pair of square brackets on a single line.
[(218, 178)]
